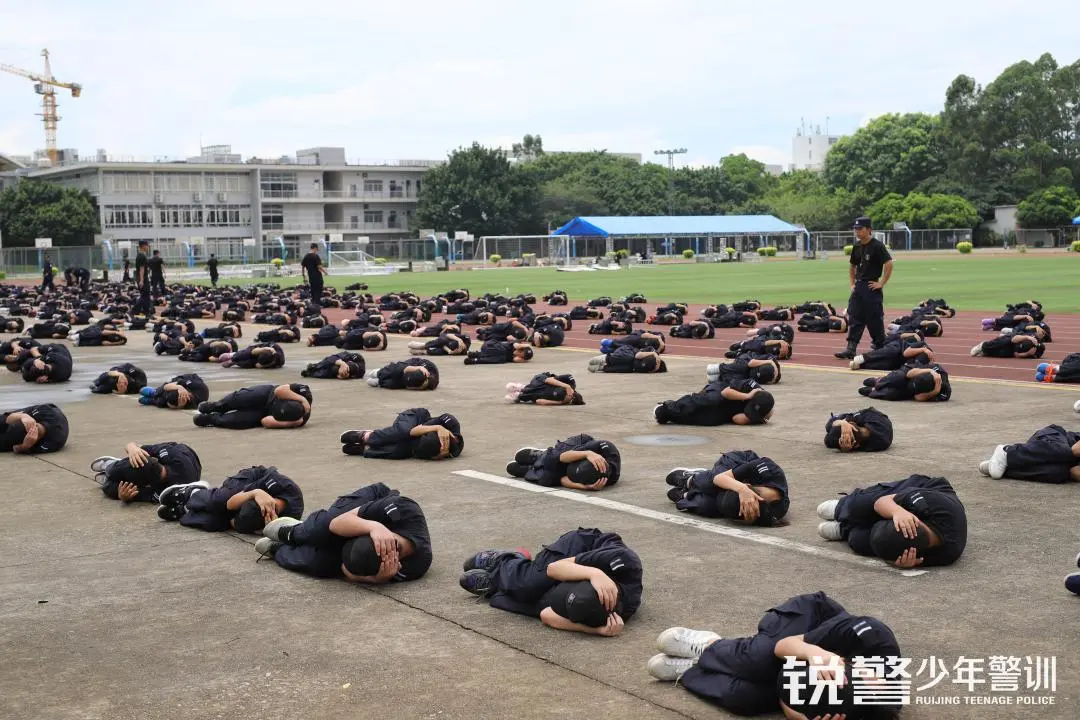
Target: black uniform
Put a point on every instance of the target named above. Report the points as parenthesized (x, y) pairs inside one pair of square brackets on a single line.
[(740, 674), (207, 509), (245, 408), (157, 274), (247, 360), (547, 470), (105, 383), (492, 352), (866, 309), (326, 369), (1004, 347), (211, 265), (538, 389), (56, 357), (1046, 457), (708, 406), (142, 281), (181, 463), (311, 264), (49, 415), (1069, 369), (191, 382), (394, 442), (897, 386), (877, 422), (47, 276), (890, 356), (931, 499), (314, 550), (523, 586), (392, 376), (704, 498)]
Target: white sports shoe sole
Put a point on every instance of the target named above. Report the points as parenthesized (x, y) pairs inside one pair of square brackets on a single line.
[(669, 669), (998, 463), (827, 510), (681, 642), (830, 530), (276, 526), (102, 463)]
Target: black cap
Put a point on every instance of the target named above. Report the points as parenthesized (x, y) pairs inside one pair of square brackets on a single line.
[(862, 222)]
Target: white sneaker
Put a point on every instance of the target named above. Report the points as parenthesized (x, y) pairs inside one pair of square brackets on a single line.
[(669, 669), (267, 547), (1076, 406), (984, 468), (827, 509), (713, 369), (683, 642), (830, 530), (372, 381), (597, 363), (857, 362), (102, 463), (273, 528), (74, 339), (977, 350), (417, 345), (998, 463)]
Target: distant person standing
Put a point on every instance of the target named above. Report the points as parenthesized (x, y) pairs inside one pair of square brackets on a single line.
[(47, 274), (157, 274), (142, 279), (869, 272), (313, 270), (211, 265), (127, 270)]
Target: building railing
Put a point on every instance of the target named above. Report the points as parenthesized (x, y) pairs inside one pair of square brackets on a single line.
[(251, 161), (288, 228), (364, 195)]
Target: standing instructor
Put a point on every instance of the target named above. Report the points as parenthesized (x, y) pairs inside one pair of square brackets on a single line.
[(313, 268), (869, 273)]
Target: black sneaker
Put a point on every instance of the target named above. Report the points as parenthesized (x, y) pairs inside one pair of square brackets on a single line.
[(172, 513), (352, 449), (675, 494), (660, 412), (208, 407), (526, 456), (178, 495), (477, 582), (680, 477), (486, 559), (352, 437), (204, 419)]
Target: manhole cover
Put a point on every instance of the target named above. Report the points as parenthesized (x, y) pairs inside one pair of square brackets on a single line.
[(666, 440)]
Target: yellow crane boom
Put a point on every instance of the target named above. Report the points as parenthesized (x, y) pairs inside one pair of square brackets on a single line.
[(45, 85)]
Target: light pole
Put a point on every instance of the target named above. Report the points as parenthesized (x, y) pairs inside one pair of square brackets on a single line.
[(671, 174)]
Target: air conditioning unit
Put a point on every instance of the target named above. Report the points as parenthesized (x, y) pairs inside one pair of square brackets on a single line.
[(363, 175), (159, 198), (365, 206), (222, 197), (196, 197)]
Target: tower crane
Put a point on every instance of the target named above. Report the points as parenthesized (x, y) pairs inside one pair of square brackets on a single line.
[(45, 85)]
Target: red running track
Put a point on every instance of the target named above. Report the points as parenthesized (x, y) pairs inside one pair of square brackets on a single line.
[(952, 349)]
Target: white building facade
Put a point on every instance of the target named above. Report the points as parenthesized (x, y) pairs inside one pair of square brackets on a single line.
[(808, 151)]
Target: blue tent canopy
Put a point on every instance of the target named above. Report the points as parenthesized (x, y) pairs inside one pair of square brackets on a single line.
[(1076, 220), (684, 225)]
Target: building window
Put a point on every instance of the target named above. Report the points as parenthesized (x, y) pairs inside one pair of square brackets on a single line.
[(278, 184), (129, 216), (354, 222), (373, 217), (391, 219), (373, 186), (273, 217)]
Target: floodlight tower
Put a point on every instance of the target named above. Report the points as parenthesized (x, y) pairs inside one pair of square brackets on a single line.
[(671, 174)]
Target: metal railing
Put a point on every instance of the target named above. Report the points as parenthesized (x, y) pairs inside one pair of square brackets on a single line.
[(317, 227), (897, 240), (362, 195), (250, 161)]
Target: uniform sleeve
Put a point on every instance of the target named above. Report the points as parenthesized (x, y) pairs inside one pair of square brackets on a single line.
[(399, 431), (850, 636), (884, 254)]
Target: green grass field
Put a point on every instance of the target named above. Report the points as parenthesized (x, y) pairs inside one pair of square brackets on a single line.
[(966, 282)]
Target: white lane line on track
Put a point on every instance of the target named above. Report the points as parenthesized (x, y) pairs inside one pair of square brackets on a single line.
[(693, 522)]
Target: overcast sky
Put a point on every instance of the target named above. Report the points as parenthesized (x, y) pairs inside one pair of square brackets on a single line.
[(416, 79)]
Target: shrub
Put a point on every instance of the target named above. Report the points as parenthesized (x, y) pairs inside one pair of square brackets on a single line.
[(770, 251), (277, 262), (963, 247), (380, 261), (622, 253), (688, 253), (848, 249), (1021, 249), (528, 256), (762, 251), (1075, 248), (3, 276), (730, 252), (495, 259)]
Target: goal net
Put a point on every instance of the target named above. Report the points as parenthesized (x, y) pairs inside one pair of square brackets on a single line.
[(522, 250)]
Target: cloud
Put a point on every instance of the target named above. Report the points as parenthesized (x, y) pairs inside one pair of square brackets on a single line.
[(763, 153)]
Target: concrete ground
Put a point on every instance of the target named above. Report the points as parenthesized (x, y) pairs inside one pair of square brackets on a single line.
[(108, 612)]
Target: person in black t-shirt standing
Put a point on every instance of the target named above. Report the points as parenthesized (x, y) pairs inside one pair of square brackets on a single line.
[(312, 268), (47, 275), (142, 279), (869, 272), (211, 266), (157, 274)]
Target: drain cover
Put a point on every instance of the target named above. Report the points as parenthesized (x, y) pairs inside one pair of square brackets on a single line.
[(666, 440)]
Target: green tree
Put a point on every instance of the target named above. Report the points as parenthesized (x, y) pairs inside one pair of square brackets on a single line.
[(742, 181), (1049, 208), (479, 191), (32, 209), (530, 148), (888, 210), (802, 197), (894, 153)]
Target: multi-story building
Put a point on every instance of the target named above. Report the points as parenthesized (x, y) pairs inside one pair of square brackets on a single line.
[(215, 201), (809, 149)]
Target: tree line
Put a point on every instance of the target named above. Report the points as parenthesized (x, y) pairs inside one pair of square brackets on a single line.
[(1015, 141)]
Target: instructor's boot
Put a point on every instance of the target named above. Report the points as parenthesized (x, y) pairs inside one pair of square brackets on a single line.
[(848, 353)]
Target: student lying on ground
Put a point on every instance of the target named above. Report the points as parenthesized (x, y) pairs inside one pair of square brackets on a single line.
[(776, 331), (546, 389), (908, 349), (639, 340), (13, 352), (547, 334), (557, 297), (287, 334), (741, 486), (210, 351), (497, 352), (443, 345), (47, 364), (260, 356), (760, 346), (611, 326), (49, 330), (1067, 371), (907, 523), (747, 675), (1010, 346), (1051, 455), (734, 319), (587, 581), (11, 325), (823, 324), (96, 336), (627, 359), (223, 330), (124, 379), (268, 406), (695, 329), (183, 391), (512, 331), (414, 434), (373, 535), (911, 382), (340, 366), (580, 462), (411, 374), (146, 470), (765, 369), (869, 430), (739, 402), (33, 430), (245, 502)]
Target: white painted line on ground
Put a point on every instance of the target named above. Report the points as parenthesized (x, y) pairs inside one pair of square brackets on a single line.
[(693, 522)]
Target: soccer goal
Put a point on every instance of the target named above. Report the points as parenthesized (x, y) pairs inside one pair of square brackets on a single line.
[(522, 250)]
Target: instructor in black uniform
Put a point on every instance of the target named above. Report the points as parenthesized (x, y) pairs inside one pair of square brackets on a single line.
[(869, 272)]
